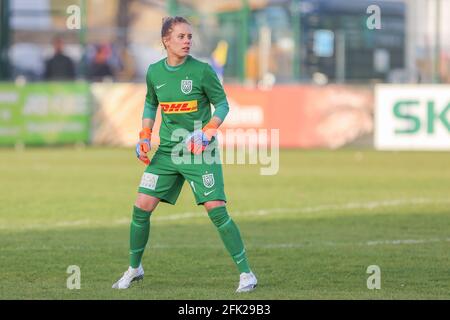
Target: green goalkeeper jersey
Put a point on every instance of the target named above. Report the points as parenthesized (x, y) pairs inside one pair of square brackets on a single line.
[(185, 94)]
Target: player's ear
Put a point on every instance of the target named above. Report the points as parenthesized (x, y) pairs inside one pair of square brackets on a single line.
[(165, 40)]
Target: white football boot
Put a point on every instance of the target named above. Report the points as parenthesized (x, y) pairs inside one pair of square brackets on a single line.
[(247, 282), (129, 276)]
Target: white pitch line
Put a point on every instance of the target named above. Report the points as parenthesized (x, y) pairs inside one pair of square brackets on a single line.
[(251, 246), (249, 213), (367, 243), (404, 241), (330, 207)]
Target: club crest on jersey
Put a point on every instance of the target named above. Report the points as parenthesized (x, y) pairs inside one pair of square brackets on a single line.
[(208, 180), (186, 86)]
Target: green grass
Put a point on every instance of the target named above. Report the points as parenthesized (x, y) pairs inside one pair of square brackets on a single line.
[(311, 231)]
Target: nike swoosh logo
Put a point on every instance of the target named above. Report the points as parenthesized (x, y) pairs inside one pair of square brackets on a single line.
[(161, 85), (207, 193), (239, 261)]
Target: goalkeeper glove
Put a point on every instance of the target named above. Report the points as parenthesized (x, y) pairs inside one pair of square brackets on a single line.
[(143, 146), (198, 140)]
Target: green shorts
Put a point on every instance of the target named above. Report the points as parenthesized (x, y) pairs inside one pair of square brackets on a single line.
[(164, 177)]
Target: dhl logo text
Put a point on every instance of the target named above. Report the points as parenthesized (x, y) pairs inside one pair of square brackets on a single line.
[(179, 107)]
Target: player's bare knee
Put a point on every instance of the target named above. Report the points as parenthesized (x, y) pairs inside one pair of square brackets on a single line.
[(146, 206), (146, 202), (209, 205)]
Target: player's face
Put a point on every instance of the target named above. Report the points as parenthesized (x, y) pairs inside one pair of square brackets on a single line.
[(180, 40)]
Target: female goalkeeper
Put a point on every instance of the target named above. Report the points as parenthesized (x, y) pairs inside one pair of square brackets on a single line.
[(185, 88)]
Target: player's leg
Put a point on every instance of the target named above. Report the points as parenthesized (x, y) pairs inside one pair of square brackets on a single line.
[(139, 234), (229, 233), (207, 184), (140, 226), (160, 182), (231, 237)]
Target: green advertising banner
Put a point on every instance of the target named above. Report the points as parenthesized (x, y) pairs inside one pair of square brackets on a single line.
[(44, 113)]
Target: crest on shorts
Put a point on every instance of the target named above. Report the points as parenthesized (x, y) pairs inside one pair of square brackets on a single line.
[(208, 180), (186, 86)]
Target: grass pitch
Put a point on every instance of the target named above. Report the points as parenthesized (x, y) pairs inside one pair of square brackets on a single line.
[(311, 231)]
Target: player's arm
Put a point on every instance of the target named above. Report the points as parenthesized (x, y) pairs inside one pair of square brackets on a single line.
[(148, 120), (148, 123), (216, 94), (213, 89), (220, 112)]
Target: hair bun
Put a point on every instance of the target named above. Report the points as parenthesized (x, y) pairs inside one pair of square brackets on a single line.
[(166, 19)]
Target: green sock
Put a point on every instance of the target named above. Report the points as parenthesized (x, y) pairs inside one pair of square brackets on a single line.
[(139, 232), (231, 237)]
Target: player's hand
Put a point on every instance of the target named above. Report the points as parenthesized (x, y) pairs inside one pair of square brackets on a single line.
[(144, 146), (197, 141)]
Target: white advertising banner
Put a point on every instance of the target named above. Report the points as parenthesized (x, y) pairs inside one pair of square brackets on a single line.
[(412, 117)]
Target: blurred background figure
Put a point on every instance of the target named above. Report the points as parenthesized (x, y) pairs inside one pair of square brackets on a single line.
[(219, 58), (60, 66), (252, 65), (100, 70)]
